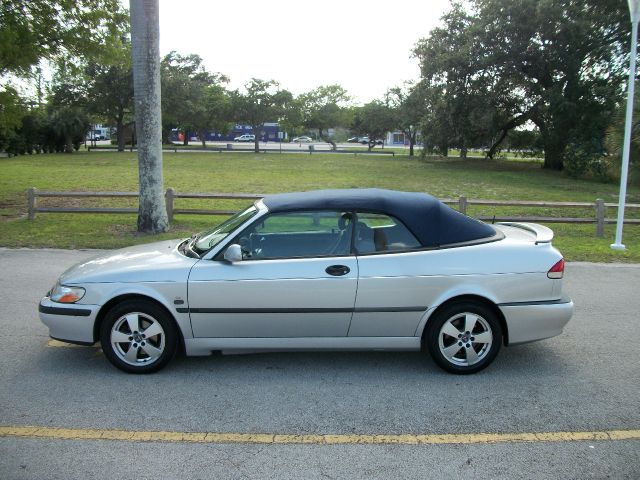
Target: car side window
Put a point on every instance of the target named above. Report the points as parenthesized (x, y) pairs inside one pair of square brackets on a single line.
[(298, 234), (382, 233)]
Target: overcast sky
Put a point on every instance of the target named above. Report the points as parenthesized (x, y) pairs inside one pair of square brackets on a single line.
[(365, 46)]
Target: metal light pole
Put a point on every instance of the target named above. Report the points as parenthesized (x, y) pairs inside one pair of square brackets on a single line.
[(634, 10)]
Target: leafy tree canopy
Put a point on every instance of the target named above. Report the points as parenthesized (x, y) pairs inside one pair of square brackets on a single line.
[(323, 108), (188, 91), (262, 102), (374, 120), (408, 106), (557, 63), (31, 30)]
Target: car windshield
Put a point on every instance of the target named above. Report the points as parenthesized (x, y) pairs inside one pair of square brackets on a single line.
[(209, 239)]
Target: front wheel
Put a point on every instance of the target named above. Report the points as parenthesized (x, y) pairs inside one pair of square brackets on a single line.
[(464, 337), (138, 336)]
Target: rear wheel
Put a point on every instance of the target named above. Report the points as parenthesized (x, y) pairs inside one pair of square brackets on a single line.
[(138, 336), (464, 337)]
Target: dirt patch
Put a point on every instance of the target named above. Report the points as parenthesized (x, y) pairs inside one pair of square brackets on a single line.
[(11, 209)]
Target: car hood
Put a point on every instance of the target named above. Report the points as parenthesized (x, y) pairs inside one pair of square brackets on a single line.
[(153, 262)]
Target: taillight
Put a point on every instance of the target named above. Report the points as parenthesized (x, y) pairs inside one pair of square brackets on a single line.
[(557, 270)]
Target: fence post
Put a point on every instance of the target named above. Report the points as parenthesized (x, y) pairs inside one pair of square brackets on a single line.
[(462, 204), (32, 202), (168, 199), (599, 205)]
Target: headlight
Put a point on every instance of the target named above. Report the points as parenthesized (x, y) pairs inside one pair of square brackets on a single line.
[(62, 294)]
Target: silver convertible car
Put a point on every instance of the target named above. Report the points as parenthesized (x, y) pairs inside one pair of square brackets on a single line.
[(361, 269)]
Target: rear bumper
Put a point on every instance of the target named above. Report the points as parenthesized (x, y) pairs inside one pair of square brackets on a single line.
[(72, 323), (528, 322)]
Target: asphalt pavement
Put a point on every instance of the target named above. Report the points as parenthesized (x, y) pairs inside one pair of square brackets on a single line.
[(585, 380)]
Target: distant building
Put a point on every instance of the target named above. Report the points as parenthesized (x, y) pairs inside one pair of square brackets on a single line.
[(269, 133), (399, 138)]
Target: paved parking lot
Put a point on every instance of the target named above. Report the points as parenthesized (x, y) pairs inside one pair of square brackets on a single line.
[(323, 415)]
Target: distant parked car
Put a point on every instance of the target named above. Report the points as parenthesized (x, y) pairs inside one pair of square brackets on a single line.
[(245, 138), (303, 139), (353, 140)]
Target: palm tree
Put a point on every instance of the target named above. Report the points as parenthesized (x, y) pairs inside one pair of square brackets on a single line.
[(70, 126), (145, 52)]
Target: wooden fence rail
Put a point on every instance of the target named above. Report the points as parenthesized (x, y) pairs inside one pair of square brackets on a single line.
[(599, 206)]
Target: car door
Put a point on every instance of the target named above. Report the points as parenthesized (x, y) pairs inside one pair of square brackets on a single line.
[(297, 278), (391, 295)]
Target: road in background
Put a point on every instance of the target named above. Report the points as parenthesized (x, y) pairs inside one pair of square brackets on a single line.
[(285, 146), (584, 380)]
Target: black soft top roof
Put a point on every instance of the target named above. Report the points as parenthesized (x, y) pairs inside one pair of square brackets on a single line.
[(430, 220)]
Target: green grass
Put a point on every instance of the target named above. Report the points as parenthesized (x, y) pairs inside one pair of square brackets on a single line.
[(269, 173)]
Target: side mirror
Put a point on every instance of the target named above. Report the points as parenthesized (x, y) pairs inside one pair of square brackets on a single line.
[(233, 253)]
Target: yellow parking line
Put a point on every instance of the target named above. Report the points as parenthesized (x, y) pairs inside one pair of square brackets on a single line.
[(320, 439)]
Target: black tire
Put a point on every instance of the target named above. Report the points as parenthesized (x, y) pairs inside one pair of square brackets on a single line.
[(457, 356), (151, 353)]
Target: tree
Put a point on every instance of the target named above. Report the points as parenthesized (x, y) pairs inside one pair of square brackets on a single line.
[(291, 118), (566, 57), (408, 106), (435, 125), (11, 112), (109, 94), (450, 62), (213, 112), (263, 102), (188, 94), (31, 30), (374, 120), (35, 30), (556, 63), (324, 108), (145, 49), (70, 125)]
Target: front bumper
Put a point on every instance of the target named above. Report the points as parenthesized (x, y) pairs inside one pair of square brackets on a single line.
[(69, 322), (528, 322)]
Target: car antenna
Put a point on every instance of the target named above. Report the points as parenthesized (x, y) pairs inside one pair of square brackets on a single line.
[(494, 219)]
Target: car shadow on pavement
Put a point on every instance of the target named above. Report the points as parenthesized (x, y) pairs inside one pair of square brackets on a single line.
[(541, 357)]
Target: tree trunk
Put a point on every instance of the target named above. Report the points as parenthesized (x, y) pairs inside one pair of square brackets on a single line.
[(553, 154), (145, 48), (327, 139), (554, 145), (513, 123), (412, 142), (68, 144), (120, 132), (256, 138), (494, 148), (464, 144)]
